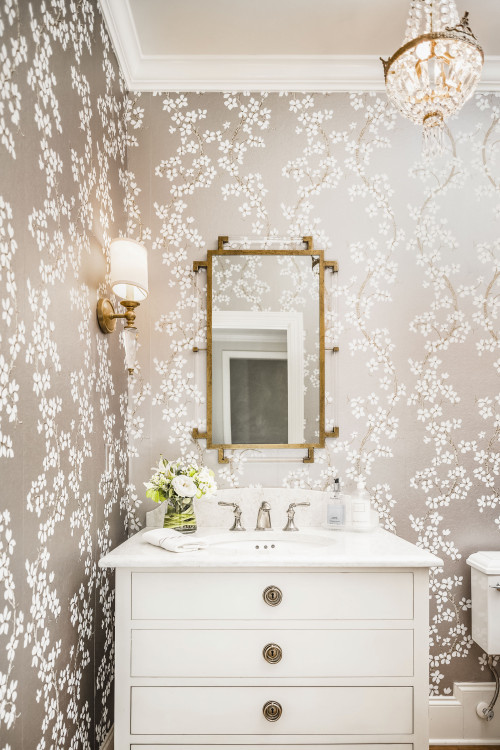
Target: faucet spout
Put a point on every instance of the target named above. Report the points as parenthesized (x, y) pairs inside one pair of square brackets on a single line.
[(264, 518)]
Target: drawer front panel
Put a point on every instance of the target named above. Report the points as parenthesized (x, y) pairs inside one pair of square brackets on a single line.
[(235, 710), (304, 653), (239, 596)]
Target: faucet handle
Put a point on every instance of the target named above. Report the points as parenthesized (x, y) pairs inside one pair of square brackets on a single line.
[(290, 524), (237, 515)]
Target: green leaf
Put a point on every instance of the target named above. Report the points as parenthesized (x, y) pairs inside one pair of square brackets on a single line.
[(155, 495)]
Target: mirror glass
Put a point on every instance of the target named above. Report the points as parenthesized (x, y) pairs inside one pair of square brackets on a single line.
[(264, 363)]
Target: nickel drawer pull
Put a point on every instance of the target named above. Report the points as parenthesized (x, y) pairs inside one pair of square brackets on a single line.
[(272, 596), (272, 710), (272, 653)]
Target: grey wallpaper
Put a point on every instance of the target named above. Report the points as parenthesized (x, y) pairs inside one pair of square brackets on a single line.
[(414, 309), (62, 383)]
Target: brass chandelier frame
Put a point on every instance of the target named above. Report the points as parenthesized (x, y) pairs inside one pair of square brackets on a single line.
[(460, 33)]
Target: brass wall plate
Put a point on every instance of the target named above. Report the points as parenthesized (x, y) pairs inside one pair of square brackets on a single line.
[(105, 310)]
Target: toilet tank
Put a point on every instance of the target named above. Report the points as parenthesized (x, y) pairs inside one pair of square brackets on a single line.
[(485, 580)]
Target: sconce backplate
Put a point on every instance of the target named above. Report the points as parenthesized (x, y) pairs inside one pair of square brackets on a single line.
[(105, 311)]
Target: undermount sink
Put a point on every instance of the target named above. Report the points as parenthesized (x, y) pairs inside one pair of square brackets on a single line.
[(268, 542)]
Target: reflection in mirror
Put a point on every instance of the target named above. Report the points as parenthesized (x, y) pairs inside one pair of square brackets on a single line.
[(265, 364)]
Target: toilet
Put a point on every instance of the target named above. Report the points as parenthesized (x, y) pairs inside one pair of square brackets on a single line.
[(485, 580), (485, 585)]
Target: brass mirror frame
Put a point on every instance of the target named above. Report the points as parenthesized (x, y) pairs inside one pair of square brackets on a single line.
[(323, 434)]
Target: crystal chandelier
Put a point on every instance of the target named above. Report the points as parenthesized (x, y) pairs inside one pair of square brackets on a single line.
[(436, 70)]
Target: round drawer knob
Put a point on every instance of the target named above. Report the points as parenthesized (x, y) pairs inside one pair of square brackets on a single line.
[(272, 710), (272, 653), (272, 596)]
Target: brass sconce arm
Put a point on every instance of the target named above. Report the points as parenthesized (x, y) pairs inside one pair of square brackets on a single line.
[(107, 317)]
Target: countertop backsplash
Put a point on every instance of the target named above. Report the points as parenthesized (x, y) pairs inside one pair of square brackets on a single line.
[(210, 514)]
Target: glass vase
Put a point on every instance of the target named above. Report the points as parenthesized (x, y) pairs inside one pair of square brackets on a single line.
[(180, 515)]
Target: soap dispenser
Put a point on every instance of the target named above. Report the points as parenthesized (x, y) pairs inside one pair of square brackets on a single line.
[(335, 508), (361, 508)]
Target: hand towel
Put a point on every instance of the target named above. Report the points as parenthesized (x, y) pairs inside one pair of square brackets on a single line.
[(174, 541)]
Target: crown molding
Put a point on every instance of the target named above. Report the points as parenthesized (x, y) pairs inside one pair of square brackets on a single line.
[(270, 73), (121, 28), (324, 73)]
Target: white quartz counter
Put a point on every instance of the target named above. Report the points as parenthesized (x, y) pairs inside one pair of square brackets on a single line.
[(341, 549)]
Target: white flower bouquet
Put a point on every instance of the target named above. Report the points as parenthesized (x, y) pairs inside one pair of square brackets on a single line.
[(177, 483)]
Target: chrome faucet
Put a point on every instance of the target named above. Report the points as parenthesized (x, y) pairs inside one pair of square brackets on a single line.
[(264, 518), (290, 524)]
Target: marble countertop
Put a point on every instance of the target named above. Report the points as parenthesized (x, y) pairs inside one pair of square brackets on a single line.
[(323, 549)]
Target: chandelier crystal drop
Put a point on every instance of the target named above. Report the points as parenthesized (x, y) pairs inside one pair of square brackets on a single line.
[(436, 70)]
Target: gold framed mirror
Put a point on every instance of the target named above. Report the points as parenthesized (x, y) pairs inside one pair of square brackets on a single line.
[(265, 349)]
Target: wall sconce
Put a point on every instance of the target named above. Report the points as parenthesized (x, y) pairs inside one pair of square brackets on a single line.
[(129, 279)]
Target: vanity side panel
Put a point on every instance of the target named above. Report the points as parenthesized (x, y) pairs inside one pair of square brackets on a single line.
[(122, 657), (421, 641)]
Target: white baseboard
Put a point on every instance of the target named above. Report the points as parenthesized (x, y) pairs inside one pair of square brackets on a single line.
[(453, 720), (109, 742)]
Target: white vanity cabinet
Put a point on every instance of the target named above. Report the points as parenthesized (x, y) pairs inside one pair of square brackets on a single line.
[(229, 652)]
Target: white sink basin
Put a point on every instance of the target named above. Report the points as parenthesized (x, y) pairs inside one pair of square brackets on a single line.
[(268, 542)]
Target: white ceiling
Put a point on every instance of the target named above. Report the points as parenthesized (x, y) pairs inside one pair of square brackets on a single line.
[(271, 44)]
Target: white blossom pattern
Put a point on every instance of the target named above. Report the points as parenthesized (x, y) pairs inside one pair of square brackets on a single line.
[(414, 309), (415, 312), (63, 387)]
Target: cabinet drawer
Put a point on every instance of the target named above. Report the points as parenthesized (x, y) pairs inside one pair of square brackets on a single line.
[(235, 710), (304, 653), (239, 596)]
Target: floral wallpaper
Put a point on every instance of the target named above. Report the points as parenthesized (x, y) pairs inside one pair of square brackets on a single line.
[(414, 310), (63, 385)]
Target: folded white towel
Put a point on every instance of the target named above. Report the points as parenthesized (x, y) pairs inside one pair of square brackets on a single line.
[(174, 541)]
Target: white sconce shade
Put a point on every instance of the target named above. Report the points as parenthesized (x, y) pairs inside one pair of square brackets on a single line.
[(129, 338), (129, 269)]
